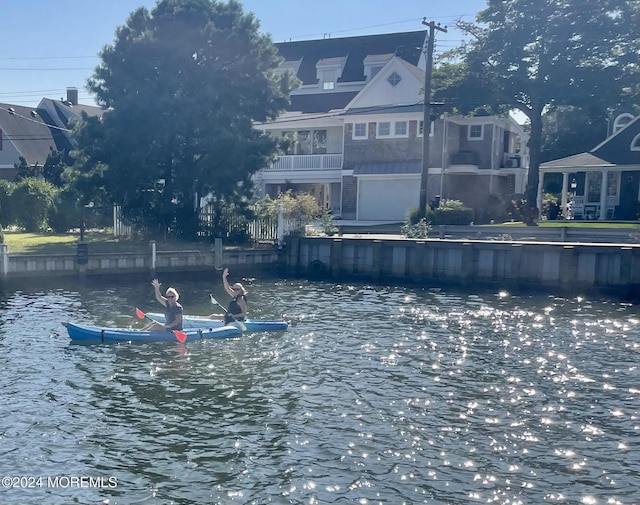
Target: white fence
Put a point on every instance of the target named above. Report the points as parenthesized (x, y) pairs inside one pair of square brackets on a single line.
[(119, 228)]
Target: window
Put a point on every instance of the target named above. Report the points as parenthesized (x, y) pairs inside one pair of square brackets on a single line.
[(394, 79), (420, 132), (392, 129), (384, 129), (360, 131), (329, 79), (306, 142), (476, 132), (635, 143), (622, 121), (594, 183), (320, 142), (374, 71), (400, 129), (613, 181)]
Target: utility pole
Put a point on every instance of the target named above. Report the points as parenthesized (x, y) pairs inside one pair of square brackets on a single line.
[(426, 120)]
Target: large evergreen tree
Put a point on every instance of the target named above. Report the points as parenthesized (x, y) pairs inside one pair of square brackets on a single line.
[(532, 54), (182, 83)]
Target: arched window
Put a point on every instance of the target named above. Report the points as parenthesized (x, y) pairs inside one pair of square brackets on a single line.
[(635, 143), (621, 121)]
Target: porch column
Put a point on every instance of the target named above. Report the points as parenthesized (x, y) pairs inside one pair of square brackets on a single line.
[(565, 189), (539, 198), (603, 196)]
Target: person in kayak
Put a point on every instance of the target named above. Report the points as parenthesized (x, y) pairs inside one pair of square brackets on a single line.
[(172, 310), (237, 309)]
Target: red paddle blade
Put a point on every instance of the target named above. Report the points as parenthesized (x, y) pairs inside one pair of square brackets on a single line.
[(139, 313), (180, 335)]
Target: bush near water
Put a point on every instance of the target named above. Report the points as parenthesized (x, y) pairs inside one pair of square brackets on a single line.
[(449, 212)]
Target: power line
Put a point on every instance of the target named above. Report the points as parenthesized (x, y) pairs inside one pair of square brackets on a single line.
[(412, 20), (14, 58), (58, 69), (14, 113)]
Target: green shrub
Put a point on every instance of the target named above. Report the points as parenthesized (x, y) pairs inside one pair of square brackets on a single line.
[(449, 212), (6, 215), (328, 227), (31, 201), (417, 230)]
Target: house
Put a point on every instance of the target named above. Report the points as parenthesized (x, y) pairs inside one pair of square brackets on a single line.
[(22, 135), (604, 183), (355, 127), (32, 133)]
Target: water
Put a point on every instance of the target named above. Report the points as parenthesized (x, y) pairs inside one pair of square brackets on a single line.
[(374, 395)]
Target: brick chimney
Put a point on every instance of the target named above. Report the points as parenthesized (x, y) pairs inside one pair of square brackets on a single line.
[(72, 96)]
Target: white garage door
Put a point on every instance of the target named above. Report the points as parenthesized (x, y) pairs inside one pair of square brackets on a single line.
[(387, 199)]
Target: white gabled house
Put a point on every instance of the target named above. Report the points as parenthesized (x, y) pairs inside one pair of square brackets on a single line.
[(356, 127)]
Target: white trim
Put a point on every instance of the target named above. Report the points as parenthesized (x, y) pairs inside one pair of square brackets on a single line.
[(635, 143)]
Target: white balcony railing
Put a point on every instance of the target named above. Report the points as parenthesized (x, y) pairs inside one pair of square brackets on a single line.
[(307, 162)]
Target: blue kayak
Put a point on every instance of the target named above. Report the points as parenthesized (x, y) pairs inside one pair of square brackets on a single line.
[(80, 333), (206, 323)]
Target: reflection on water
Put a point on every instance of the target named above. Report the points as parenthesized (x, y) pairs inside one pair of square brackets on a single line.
[(374, 395)]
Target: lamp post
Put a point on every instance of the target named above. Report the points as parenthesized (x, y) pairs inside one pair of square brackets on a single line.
[(82, 222)]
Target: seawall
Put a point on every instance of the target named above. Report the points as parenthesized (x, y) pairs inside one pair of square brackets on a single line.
[(561, 268), (86, 264), (567, 269)]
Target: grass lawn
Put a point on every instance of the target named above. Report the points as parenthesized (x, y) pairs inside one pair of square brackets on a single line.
[(49, 243)]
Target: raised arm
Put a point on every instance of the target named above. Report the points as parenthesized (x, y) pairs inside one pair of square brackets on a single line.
[(225, 282), (159, 297)]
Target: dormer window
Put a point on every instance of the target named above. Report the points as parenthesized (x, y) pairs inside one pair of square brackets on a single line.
[(373, 63), (289, 66), (635, 143), (329, 70), (329, 79)]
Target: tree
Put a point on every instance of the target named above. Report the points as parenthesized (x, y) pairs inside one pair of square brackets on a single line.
[(32, 200), (54, 167), (533, 54), (182, 84), (25, 171), (570, 130)]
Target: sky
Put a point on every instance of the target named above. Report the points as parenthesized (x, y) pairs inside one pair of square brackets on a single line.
[(50, 45)]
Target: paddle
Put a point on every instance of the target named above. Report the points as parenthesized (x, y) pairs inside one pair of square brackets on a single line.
[(239, 324), (180, 335)]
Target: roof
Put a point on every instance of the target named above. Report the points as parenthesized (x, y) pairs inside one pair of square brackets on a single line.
[(62, 113), (617, 148), (406, 45), (25, 129), (613, 151), (401, 167), (320, 102), (385, 109), (578, 161)]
